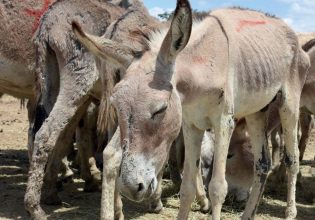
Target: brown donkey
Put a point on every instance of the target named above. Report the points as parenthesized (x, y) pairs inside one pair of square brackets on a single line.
[(236, 63)]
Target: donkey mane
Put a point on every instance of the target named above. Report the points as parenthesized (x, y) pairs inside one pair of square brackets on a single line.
[(250, 9), (151, 39)]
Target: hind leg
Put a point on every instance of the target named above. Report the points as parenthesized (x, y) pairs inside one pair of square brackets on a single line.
[(306, 127), (55, 163), (70, 106), (289, 114), (86, 142), (277, 147), (31, 118), (257, 131)]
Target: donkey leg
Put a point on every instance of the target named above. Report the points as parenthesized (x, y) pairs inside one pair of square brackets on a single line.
[(201, 193), (306, 127), (218, 186), (70, 106), (118, 205), (86, 141), (44, 143), (175, 173), (156, 204), (262, 163), (31, 119), (289, 114), (66, 171), (192, 138), (112, 157), (276, 148), (61, 150)]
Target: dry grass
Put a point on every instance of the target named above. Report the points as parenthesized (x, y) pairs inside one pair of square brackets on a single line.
[(80, 205)]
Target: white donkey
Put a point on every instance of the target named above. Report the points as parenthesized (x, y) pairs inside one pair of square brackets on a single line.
[(236, 63)]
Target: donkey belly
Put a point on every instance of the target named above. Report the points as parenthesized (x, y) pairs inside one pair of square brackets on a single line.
[(248, 102), (15, 79)]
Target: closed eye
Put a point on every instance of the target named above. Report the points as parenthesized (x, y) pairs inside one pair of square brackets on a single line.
[(160, 111)]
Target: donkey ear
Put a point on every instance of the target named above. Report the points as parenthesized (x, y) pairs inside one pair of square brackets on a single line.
[(178, 34), (111, 51)]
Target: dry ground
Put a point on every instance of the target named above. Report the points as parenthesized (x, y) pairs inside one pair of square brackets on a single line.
[(80, 205)]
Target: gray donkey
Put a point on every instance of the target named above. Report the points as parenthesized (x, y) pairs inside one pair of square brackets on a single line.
[(235, 64), (69, 78), (19, 21)]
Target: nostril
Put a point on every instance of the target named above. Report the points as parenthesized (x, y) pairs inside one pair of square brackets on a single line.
[(140, 187)]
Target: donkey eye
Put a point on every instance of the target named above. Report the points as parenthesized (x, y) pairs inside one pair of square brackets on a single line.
[(160, 111)]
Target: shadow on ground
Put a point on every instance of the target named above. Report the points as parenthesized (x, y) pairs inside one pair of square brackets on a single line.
[(81, 205)]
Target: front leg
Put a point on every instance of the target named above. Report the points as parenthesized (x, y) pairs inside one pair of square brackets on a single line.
[(218, 186), (201, 193), (156, 204), (192, 138), (112, 156)]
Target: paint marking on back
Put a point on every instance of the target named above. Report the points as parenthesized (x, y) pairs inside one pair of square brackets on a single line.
[(38, 13), (249, 23)]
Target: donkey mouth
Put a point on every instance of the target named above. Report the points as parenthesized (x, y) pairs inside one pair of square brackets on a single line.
[(140, 195), (136, 197)]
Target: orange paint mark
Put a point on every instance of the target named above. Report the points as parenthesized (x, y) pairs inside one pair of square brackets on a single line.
[(37, 14), (244, 23), (199, 59)]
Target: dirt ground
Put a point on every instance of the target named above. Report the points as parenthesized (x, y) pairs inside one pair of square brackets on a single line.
[(81, 205)]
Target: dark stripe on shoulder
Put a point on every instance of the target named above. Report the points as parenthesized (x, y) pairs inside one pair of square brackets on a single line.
[(221, 26)]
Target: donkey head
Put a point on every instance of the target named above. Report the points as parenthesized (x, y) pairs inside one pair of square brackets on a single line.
[(146, 101)]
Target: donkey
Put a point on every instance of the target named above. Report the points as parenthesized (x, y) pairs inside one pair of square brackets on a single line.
[(307, 103), (239, 173), (19, 21), (239, 164), (69, 78), (236, 63), (307, 99)]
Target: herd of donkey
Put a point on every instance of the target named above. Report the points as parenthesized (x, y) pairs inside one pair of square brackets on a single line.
[(183, 92)]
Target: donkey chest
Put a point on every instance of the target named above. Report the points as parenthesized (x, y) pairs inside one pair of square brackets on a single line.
[(203, 110)]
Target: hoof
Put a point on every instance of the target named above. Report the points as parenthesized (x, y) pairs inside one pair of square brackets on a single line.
[(204, 205), (290, 213), (245, 217), (52, 199), (36, 213), (119, 216), (156, 207), (39, 214), (96, 175)]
